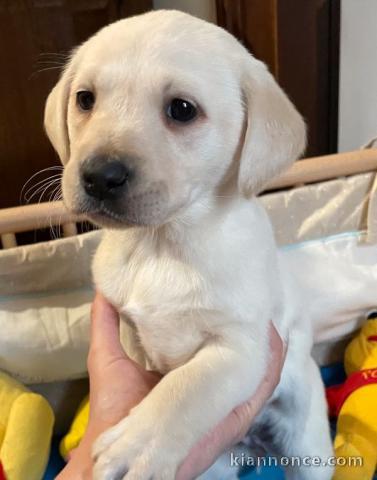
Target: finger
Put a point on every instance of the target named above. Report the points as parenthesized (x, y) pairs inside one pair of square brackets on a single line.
[(278, 347), (274, 367), (105, 334), (246, 412), (205, 452)]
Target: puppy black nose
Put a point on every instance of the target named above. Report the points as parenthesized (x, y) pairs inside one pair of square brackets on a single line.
[(104, 177)]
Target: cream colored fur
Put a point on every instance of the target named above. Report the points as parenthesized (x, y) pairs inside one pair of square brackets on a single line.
[(191, 261)]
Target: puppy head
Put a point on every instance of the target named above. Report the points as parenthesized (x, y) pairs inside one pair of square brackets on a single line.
[(156, 112)]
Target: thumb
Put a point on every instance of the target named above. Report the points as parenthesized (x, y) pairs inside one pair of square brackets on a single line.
[(104, 333)]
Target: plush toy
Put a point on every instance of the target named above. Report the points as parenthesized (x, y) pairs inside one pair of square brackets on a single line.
[(26, 422), (355, 404), (76, 432)]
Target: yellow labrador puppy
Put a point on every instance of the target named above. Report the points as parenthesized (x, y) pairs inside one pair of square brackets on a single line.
[(168, 128)]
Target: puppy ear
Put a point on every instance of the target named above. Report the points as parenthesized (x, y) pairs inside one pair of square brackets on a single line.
[(275, 132), (55, 116)]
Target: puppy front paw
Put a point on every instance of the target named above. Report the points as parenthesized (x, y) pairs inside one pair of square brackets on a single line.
[(132, 451)]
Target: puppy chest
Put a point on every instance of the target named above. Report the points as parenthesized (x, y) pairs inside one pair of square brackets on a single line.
[(162, 307), (144, 283), (159, 296)]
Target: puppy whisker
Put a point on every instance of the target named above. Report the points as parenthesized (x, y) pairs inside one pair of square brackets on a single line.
[(44, 70), (43, 188), (43, 182), (40, 172)]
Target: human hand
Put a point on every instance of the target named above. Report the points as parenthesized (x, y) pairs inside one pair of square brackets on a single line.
[(117, 384)]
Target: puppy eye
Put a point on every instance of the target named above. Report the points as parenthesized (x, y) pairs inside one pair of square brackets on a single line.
[(85, 99), (181, 110)]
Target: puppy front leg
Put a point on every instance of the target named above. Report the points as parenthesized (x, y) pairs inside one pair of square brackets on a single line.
[(188, 402)]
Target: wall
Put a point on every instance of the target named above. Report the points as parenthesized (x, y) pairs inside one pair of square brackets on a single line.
[(358, 73), (358, 65), (205, 9)]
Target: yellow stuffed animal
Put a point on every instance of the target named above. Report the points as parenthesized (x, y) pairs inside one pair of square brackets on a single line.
[(355, 403), (26, 421), (72, 439)]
